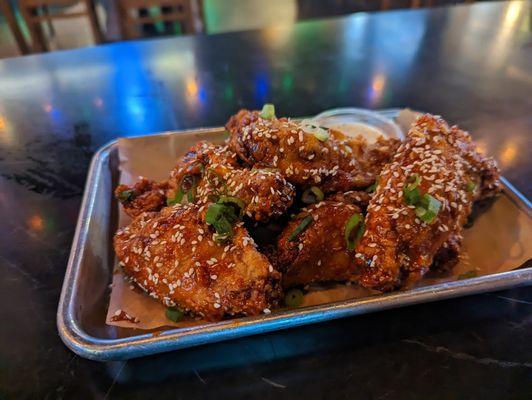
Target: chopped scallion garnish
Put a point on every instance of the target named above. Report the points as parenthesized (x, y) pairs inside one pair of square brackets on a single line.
[(413, 181), (428, 208), (221, 217), (309, 126), (235, 202), (411, 191), (354, 229), (223, 214), (293, 298), (321, 134), (174, 314), (312, 195), (412, 196), (221, 238), (305, 222), (372, 188), (268, 111), (191, 195), (177, 198), (126, 195), (468, 275), (471, 186)]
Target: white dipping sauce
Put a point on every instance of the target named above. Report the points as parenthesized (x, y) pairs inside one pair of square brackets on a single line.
[(353, 129)]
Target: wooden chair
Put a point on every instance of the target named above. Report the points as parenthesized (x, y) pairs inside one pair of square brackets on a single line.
[(36, 12), (134, 15), (7, 11)]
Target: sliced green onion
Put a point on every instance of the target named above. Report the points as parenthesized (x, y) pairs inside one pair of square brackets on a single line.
[(467, 275), (187, 187), (373, 187), (174, 314), (413, 181), (221, 217), (293, 298), (428, 208), (471, 186), (268, 111), (223, 214), (321, 134), (300, 228), (354, 229), (309, 126), (126, 195), (312, 195), (430, 203), (412, 196), (235, 202), (177, 199), (411, 191), (220, 239), (191, 195)]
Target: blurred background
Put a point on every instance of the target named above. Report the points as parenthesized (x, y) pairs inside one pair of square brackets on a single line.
[(34, 26)]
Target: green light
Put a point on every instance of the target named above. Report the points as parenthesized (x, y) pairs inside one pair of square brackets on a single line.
[(288, 81), (229, 93)]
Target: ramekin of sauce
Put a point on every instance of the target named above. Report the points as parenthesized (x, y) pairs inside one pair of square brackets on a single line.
[(356, 121)]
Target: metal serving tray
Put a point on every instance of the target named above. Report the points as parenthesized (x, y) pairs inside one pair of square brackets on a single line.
[(84, 297)]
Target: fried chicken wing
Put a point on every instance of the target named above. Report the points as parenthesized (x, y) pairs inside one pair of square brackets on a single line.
[(332, 160), (208, 171), (421, 202), (173, 257), (320, 252), (144, 196), (265, 193)]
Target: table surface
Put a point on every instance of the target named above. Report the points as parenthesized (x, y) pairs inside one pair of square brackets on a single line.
[(472, 64)]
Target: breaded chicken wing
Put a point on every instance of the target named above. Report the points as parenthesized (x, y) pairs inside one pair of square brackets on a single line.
[(173, 257), (421, 202), (265, 193), (207, 172), (325, 158), (320, 252)]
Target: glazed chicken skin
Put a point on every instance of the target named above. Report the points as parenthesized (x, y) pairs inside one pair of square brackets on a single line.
[(143, 196), (208, 171), (328, 159), (173, 257), (265, 193), (320, 253), (401, 238)]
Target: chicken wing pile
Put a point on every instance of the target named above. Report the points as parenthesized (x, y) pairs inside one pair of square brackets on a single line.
[(379, 215)]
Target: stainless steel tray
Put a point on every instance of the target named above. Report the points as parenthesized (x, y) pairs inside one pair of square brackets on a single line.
[(83, 304)]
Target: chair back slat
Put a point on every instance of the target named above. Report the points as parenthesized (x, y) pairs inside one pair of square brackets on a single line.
[(35, 12)]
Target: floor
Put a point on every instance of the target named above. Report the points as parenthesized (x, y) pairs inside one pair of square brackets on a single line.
[(220, 16)]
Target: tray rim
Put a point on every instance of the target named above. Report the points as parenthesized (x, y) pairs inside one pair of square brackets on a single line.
[(87, 346)]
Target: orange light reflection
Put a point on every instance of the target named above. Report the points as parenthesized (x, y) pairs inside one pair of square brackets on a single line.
[(36, 223), (508, 154)]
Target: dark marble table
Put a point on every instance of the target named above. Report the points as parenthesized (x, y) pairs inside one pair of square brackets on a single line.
[(472, 64)]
